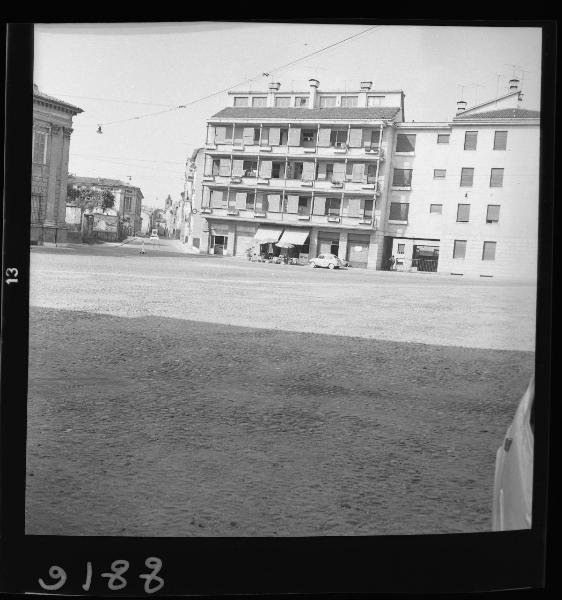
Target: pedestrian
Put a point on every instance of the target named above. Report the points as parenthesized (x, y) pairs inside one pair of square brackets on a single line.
[(142, 251), (392, 262)]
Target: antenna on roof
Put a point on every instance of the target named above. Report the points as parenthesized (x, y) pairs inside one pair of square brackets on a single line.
[(477, 85)]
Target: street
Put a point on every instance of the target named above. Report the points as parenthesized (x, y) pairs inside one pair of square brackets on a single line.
[(183, 395)]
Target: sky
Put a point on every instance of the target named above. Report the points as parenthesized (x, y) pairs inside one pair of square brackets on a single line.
[(120, 71)]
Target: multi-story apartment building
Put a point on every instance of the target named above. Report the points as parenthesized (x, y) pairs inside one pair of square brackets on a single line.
[(342, 172), (52, 127), (128, 198)]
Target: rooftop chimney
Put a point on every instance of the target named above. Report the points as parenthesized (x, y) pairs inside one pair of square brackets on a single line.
[(366, 85), (273, 88), (513, 85), (461, 106), (314, 83)]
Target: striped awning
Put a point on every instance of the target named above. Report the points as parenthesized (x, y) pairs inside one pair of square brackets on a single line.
[(268, 235), (295, 236)]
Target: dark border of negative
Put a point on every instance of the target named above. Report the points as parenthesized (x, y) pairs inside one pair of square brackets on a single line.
[(219, 566)]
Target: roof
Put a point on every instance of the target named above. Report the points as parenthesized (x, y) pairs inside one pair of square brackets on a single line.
[(96, 181), (267, 112), (42, 96), (502, 113)]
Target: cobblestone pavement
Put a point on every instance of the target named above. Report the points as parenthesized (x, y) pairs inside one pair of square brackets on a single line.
[(175, 395)]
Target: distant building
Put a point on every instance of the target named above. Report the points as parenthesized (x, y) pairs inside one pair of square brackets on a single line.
[(52, 127), (341, 172), (128, 198)]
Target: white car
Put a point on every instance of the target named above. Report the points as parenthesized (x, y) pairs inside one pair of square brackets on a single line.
[(154, 234), (513, 483), (327, 260)]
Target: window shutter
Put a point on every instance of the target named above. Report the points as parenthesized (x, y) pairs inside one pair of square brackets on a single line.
[(355, 137), (274, 201), (339, 171), (500, 140), (459, 249), (354, 207), (321, 170), (489, 251), (241, 200), (224, 167), (248, 135), (208, 168), (324, 137), (493, 213), (265, 136), (358, 172), (405, 142), (220, 135), (237, 168), (238, 135), (206, 199), (294, 136), (467, 175), (463, 213), (216, 198), (319, 205), (496, 178), (265, 169), (308, 171), (470, 139), (274, 136), (292, 204)]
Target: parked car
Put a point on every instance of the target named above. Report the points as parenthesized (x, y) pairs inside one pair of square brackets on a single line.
[(513, 483), (154, 234), (327, 260)]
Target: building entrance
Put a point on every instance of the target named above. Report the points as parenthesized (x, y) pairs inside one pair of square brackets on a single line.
[(425, 258), (358, 250)]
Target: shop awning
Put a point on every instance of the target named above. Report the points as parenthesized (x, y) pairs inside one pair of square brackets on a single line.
[(268, 235), (295, 236)]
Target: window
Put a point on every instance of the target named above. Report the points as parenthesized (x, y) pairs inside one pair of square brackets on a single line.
[(463, 213), (127, 203), (443, 138), (39, 147), (405, 142), (401, 248), (338, 138), (333, 206), (375, 138), (489, 251), (304, 206), (327, 101), (283, 136), (368, 209), (467, 177), (459, 249), (398, 211), (215, 167), (374, 100), (250, 201), (250, 168), (301, 101), (349, 101), (256, 135), (283, 101), (308, 135), (240, 101), (470, 138), (439, 173), (259, 101), (500, 140), (493, 213), (277, 170), (402, 178), (496, 178), (371, 173), (435, 209), (294, 170)]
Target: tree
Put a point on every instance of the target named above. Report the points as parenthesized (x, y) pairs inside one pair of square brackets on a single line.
[(89, 198)]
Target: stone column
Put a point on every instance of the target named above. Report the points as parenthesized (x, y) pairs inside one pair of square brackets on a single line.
[(313, 243), (51, 209), (342, 249), (60, 216), (376, 250)]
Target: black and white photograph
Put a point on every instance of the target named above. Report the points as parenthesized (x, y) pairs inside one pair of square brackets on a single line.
[(283, 279)]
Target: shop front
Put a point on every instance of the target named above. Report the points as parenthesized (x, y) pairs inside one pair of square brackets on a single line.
[(328, 242), (265, 239), (219, 238), (294, 245), (358, 249)]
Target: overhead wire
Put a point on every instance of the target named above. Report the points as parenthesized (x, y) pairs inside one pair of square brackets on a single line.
[(229, 88)]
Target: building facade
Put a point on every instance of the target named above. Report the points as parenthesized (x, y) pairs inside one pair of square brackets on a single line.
[(342, 172), (128, 198), (52, 128)]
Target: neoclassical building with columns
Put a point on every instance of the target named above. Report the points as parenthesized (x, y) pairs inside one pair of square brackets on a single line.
[(52, 128)]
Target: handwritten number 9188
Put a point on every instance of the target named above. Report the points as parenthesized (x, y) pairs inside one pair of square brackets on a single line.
[(115, 577)]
